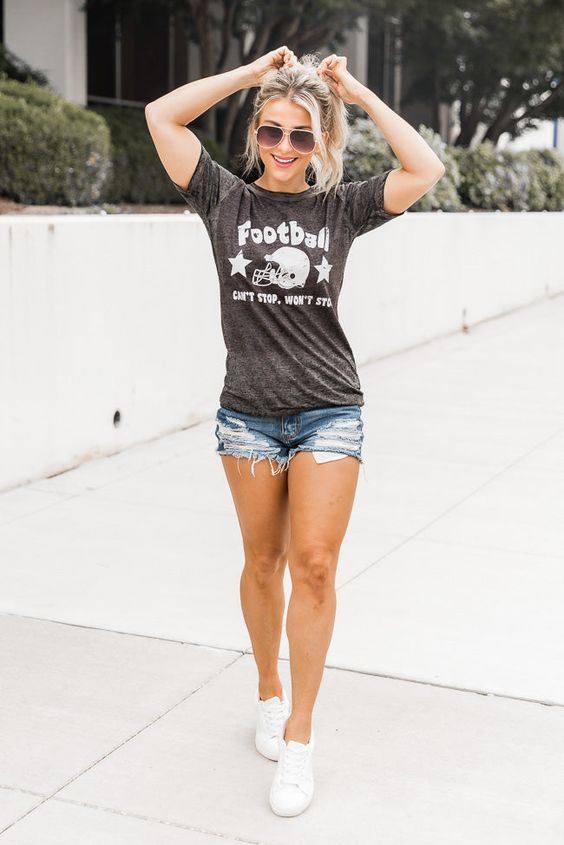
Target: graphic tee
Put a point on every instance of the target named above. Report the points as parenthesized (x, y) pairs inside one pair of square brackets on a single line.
[(280, 259)]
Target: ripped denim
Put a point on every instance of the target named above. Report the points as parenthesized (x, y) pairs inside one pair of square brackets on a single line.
[(330, 433)]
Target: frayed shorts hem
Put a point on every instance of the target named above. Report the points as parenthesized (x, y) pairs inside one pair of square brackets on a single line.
[(282, 463)]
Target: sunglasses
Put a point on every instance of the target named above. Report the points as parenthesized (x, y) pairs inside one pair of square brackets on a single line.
[(302, 140)]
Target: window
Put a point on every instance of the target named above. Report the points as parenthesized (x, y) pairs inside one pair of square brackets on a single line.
[(134, 56)]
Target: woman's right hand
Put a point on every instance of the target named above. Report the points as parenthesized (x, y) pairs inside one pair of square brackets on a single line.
[(276, 59)]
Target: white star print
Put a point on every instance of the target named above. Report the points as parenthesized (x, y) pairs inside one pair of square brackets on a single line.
[(323, 269), (239, 264)]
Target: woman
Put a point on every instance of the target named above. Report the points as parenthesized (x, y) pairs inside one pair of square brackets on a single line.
[(291, 398)]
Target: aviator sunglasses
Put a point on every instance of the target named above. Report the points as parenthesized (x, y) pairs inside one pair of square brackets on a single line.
[(268, 137)]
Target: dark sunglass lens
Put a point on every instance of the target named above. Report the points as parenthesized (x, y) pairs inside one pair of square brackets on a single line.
[(269, 136), (303, 142)]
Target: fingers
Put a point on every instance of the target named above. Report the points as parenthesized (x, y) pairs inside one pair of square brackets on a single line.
[(285, 57), (330, 63)]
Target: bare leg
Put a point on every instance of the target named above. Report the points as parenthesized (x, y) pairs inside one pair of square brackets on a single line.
[(262, 509), (321, 498)]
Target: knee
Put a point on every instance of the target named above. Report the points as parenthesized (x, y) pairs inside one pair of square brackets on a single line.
[(313, 569), (264, 566)]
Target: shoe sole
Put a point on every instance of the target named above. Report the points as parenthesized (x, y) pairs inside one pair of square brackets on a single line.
[(289, 815)]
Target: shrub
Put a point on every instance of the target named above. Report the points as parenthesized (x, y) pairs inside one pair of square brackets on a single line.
[(368, 152), (483, 177), (486, 178), (548, 165), (58, 153), (138, 175), (524, 180), (51, 151)]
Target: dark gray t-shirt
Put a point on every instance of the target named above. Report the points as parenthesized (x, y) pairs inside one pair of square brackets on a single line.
[(280, 258)]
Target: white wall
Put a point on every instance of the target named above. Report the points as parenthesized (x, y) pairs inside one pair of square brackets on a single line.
[(50, 36), (100, 314)]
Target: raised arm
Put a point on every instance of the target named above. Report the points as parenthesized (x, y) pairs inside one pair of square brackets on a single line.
[(177, 146), (420, 167)]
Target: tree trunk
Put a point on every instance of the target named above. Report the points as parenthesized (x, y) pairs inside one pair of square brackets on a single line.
[(504, 116), (469, 123), (236, 140), (436, 99)]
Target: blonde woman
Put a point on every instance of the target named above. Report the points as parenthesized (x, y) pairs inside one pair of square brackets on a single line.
[(291, 400)]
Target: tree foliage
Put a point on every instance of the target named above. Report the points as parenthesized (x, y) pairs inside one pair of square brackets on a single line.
[(502, 60), (248, 29), (12, 67)]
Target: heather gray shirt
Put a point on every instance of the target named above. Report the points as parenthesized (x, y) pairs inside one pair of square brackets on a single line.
[(280, 258)]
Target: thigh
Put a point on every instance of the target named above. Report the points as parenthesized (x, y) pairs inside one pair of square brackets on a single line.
[(261, 503), (250, 452), (320, 497)]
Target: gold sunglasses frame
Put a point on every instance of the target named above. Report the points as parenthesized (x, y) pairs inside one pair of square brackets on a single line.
[(284, 133)]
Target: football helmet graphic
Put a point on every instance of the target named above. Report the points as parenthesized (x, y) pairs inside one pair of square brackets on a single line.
[(287, 267)]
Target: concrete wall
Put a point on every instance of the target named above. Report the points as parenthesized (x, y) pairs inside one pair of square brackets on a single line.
[(50, 36), (106, 314)]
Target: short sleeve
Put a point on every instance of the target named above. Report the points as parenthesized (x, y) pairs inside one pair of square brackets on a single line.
[(364, 203), (209, 185)]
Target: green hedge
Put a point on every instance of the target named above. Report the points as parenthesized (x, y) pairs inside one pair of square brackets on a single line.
[(483, 177), (51, 151), (56, 153), (138, 175), (368, 152), (525, 180)]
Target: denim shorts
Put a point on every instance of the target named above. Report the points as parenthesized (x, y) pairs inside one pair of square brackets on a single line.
[(330, 433)]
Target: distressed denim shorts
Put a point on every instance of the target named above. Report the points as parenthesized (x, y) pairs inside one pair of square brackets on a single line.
[(330, 433)]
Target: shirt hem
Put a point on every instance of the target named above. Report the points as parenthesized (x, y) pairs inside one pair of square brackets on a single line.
[(288, 411)]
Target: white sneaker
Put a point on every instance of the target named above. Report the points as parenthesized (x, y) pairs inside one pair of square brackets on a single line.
[(272, 716), (292, 788)]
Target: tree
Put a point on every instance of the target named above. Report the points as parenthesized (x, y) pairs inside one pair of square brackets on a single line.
[(255, 28), (502, 60), (13, 67)]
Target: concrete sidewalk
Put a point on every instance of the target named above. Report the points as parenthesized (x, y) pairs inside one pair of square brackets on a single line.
[(127, 679)]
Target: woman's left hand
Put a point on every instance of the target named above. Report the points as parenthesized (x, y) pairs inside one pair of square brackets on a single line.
[(333, 69)]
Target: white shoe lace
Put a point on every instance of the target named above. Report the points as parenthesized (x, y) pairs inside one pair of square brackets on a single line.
[(273, 715), (293, 763)]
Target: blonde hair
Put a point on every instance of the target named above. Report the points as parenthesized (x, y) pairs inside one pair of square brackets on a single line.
[(301, 84)]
